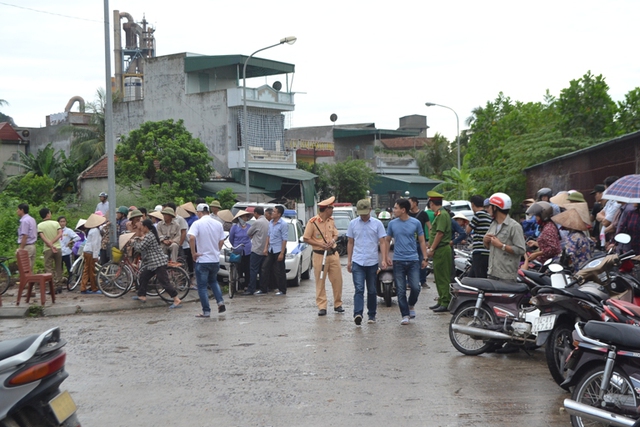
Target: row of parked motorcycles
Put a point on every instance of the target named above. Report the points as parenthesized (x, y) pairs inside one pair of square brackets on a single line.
[(588, 322)]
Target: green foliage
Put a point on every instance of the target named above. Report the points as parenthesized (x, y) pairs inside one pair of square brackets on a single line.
[(348, 181), (227, 198), (586, 109), (435, 158), (628, 119), (165, 154), (457, 185), (31, 188), (35, 311)]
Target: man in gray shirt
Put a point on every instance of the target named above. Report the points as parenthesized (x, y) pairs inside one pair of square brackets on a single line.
[(258, 233)]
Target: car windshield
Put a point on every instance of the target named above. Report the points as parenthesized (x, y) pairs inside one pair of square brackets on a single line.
[(342, 222)]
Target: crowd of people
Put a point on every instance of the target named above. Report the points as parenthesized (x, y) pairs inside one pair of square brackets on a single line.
[(559, 227)]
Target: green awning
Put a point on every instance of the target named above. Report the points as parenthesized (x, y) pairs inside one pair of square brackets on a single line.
[(211, 189), (273, 179), (411, 179)]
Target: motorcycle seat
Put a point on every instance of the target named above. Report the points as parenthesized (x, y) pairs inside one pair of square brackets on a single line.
[(614, 333), (10, 348), (489, 285), (540, 278)]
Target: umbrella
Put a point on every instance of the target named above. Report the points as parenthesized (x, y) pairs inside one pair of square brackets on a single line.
[(625, 190)]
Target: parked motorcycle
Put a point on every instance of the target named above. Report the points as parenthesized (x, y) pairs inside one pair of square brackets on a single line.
[(385, 285), (604, 367), (31, 371), (461, 262), (560, 308), (488, 313)]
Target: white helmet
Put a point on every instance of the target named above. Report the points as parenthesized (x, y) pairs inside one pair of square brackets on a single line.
[(501, 201), (384, 215)]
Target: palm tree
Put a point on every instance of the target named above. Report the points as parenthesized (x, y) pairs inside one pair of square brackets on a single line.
[(88, 143), (457, 184)]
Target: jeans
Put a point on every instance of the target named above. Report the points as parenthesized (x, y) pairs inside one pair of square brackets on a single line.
[(207, 277), (361, 275), (254, 270), (403, 272), (423, 271)]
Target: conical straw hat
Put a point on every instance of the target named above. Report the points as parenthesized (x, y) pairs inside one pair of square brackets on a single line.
[(570, 219), (94, 221)]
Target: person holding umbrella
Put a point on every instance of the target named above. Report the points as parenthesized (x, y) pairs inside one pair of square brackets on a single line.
[(321, 233)]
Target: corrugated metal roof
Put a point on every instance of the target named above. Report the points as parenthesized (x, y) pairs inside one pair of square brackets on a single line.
[(294, 174), (215, 186), (350, 133), (412, 179), (257, 67), (598, 146)]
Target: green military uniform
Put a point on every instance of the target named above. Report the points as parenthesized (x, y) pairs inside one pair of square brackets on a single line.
[(442, 258)]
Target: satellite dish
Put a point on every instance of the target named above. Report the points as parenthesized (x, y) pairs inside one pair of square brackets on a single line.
[(333, 117), (277, 85)]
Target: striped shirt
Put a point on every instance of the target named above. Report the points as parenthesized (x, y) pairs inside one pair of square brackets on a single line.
[(479, 226)]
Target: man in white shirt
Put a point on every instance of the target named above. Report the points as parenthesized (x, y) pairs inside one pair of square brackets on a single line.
[(206, 237)]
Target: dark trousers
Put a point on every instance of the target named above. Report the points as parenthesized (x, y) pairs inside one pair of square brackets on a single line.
[(279, 274), (161, 276), (479, 265), (66, 260), (254, 269), (423, 271), (244, 270)]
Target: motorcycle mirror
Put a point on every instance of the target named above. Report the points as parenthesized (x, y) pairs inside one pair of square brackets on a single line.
[(622, 238), (555, 268), (547, 262)]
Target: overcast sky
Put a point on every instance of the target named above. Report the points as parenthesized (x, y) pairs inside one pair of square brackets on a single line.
[(367, 61)]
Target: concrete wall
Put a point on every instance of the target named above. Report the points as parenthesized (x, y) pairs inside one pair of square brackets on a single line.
[(7, 151), (205, 115)]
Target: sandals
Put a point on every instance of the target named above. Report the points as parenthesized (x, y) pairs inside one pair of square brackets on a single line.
[(202, 315), (137, 298), (172, 306)]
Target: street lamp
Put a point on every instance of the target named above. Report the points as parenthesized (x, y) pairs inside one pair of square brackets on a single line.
[(245, 144), (431, 104)]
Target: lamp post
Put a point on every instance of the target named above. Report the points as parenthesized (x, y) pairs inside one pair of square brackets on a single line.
[(245, 144), (431, 104)]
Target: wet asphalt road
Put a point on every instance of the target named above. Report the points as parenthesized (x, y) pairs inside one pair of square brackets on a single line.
[(271, 361)]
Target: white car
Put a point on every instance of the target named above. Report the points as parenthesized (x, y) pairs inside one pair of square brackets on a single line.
[(463, 207), (297, 260)]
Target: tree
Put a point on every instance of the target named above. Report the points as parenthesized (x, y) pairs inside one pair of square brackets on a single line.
[(348, 181), (165, 154), (457, 184), (586, 109), (226, 197), (628, 119), (435, 158), (46, 162)]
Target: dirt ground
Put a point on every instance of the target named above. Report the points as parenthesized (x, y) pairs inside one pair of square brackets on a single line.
[(271, 361)]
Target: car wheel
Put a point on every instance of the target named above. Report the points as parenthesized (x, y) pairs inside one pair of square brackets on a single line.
[(307, 274), (296, 280)]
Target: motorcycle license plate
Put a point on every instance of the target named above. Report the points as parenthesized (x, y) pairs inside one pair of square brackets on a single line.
[(543, 323), (62, 406)]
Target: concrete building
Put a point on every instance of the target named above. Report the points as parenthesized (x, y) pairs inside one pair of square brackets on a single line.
[(384, 150), (207, 93), (11, 144)]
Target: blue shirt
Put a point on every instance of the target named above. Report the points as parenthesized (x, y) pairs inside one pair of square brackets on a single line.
[(405, 235), (365, 237), (278, 233), (238, 236)]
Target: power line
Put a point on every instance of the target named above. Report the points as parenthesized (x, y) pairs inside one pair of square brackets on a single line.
[(50, 13)]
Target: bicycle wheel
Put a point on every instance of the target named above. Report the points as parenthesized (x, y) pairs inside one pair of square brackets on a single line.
[(114, 280), (5, 278), (233, 279), (180, 281), (75, 277)]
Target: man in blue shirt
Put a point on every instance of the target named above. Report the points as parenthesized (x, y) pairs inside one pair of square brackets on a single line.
[(365, 233), (406, 265), (275, 250)]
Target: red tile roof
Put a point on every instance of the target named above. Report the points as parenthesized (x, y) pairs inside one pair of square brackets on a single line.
[(406, 143), (8, 134), (99, 169)]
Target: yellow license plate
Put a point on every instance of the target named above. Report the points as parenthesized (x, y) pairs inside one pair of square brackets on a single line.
[(63, 406)]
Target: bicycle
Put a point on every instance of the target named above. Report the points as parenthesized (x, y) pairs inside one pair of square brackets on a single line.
[(116, 278), (5, 275), (234, 260), (75, 276)]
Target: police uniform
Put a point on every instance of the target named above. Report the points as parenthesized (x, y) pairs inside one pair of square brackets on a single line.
[(442, 258), (313, 234)]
